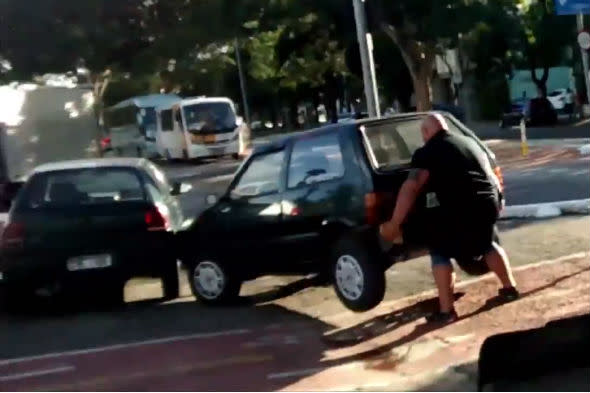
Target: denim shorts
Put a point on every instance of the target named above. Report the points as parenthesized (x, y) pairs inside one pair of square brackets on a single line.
[(439, 260)]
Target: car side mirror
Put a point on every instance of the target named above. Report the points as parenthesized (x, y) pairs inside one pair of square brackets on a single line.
[(180, 188), (211, 199)]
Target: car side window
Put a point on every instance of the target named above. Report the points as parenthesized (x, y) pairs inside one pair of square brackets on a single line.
[(262, 176), (315, 160)]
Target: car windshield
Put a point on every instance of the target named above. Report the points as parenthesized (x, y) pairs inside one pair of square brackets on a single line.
[(83, 187), (210, 116)]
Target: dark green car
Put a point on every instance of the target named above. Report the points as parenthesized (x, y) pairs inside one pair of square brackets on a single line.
[(312, 203), (91, 225)]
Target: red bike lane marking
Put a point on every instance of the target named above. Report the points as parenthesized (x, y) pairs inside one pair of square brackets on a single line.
[(254, 353)]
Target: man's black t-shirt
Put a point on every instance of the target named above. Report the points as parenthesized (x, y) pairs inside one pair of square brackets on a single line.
[(460, 173), (461, 220)]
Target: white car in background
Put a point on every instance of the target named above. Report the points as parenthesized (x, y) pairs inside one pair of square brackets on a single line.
[(558, 98)]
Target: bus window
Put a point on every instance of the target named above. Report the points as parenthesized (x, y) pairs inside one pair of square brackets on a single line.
[(166, 118)]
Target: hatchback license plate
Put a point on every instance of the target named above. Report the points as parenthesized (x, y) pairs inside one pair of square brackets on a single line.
[(86, 262)]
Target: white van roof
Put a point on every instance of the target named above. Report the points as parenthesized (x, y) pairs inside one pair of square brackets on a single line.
[(199, 100), (194, 100), (148, 101)]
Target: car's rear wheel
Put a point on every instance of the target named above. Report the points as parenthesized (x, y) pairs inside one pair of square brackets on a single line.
[(358, 274), (170, 284), (213, 282)]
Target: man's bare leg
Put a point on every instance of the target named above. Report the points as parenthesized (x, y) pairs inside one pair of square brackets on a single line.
[(498, 262), (444, 277)]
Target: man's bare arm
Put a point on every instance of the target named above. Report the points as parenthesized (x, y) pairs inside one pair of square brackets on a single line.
[(408, 194)]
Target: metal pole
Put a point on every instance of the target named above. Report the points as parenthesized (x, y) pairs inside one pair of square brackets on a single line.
[(366, 49), (242, 82), (580, 20)]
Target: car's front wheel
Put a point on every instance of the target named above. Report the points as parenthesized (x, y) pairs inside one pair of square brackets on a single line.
[(213, 282), (358, 274)]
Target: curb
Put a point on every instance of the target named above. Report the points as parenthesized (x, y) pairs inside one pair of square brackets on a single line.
[(547, 210)]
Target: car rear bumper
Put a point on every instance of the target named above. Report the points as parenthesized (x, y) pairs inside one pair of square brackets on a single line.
[(36, 270)]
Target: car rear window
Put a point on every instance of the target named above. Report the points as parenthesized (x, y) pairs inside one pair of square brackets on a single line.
[(82, 187), (393, 143)]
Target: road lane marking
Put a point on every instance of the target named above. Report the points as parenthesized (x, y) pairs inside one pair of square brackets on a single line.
[(116, 347), (36, 373), (218, 179), (110, 381)]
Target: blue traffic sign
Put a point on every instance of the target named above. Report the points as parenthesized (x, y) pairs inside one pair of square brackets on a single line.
[(572, 7)]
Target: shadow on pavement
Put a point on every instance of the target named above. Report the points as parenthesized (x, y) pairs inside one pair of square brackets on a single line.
[(54, 331)]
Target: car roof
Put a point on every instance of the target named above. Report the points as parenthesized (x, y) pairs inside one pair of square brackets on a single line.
[(281, 142), (90, 163), (151, 100)]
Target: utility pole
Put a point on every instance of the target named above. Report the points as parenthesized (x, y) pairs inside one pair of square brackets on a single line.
[(366, 49), (242, 82), (580, 20)]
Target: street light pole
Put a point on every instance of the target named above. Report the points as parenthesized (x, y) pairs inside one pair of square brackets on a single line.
[(242, 82), (366, 50), (580, 20)]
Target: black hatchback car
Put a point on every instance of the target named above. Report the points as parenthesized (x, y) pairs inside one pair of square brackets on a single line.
[(312, 203), (91, 225)]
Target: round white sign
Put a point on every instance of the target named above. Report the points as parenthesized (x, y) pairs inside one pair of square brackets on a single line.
[(584, 40)]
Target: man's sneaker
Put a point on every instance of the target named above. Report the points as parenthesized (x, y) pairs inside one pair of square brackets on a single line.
[(442, 317), (508, 294)]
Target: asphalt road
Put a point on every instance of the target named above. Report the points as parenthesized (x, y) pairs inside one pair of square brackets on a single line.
[(272, 341), (580, 129)]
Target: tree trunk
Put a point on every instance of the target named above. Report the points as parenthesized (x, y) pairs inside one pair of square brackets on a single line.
[(422, 88), (419, 58), (541, 83)]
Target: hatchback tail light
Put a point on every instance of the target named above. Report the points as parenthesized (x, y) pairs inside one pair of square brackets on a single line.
[(374, 203), (156, 221), (500, 176), (13, 235), (105, 142)]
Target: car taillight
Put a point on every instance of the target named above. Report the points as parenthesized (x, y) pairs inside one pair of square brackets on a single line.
[(13, 235), (105, 142), (373, 207), (156, 221), (498, 173)]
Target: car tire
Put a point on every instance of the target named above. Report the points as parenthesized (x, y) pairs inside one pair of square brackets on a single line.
[(170, 283), (358, 274), (213, 282)]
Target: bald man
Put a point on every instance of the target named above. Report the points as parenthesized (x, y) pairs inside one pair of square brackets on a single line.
[(456, 176)]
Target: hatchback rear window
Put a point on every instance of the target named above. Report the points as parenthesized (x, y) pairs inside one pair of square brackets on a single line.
[(82, 187), (390, 144)]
